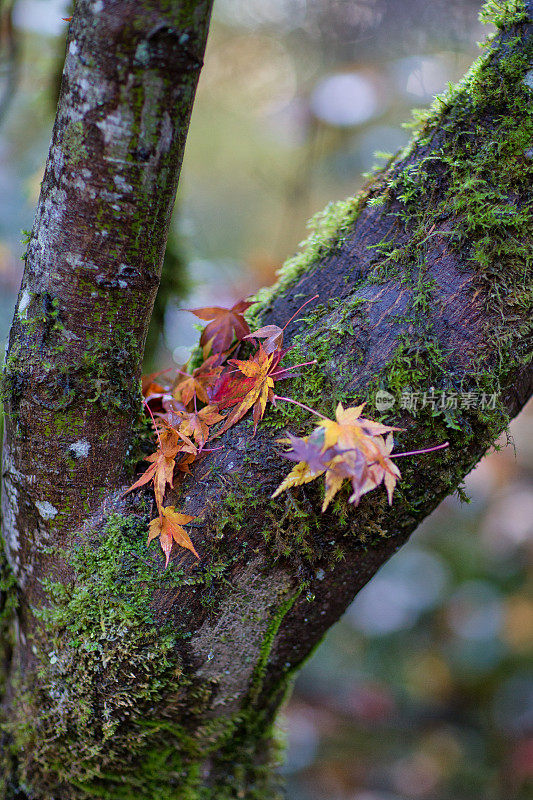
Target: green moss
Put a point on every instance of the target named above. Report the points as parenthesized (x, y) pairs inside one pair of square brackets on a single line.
[(328, 229), (73, 142), (270, 635), (105, 659), (503, 13), (288, 529), (107, 369), (111, 685)]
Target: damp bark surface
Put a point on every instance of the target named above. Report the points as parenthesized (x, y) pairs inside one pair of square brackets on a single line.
[(122, 678)]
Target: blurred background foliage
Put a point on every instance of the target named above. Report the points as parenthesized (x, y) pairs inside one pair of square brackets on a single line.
[(423, 691)]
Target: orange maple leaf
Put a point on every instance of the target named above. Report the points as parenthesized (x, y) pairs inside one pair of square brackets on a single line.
[(260, 371), (168, 527), (196, 424), (163, 461)]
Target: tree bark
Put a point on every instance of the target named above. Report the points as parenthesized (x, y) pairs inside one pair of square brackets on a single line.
[(127, 679)]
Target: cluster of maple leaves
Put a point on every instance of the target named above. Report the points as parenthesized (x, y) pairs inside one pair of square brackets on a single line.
[(187, 415), (185, 411), (350, 447)]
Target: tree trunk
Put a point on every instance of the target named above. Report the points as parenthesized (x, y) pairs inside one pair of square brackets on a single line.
[(125, 679)]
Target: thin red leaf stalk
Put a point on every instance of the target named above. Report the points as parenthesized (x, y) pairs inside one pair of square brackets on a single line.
[(153, 423), (418, 452), (280, 372), (296, 403), (298, 311)]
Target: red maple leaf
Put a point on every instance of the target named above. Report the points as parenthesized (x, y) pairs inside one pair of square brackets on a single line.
[(227, 324), (260, 371)]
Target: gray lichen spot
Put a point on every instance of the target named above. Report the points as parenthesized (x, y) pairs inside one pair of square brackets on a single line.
[(70, 336), (165, 139), (80, 449), (117, 128), (46, 509), (74, 259), (80, 185), (528, 79), (122, 184), (10, 509), (24, 303), (142, 54)]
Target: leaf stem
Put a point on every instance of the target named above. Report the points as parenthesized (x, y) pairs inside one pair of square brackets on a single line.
[(154, 423), (418, 452), (298, 311), (294, 366), (296, 403)]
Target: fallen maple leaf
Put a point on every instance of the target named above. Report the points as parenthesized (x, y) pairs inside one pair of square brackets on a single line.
[(196, 423), (163, 461), (300, 474), (348, 448), (351, 465), (261, 372), (168, 527), (197, 385), (350, 431), (227, 324), (389, 474), (309, 449)]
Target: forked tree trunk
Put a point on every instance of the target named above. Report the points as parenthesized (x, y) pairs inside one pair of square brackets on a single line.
[(123, 679)]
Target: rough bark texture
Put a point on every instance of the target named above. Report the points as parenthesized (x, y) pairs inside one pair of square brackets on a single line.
[(130, 680), (93, 264)]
